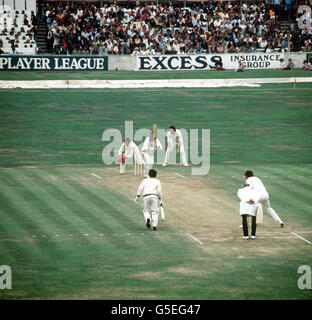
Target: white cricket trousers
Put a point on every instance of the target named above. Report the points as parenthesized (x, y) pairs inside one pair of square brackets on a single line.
[(149, 161), (264, 200), (151, 209), (172, 145)]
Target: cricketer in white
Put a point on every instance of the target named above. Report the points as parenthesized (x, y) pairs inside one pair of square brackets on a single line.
[(256, 184), (148, 152), (174, 137), (128, 150), (150, 188)]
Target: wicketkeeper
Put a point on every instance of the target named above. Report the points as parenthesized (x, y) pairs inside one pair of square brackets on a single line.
[(150, 188), (128, 150)]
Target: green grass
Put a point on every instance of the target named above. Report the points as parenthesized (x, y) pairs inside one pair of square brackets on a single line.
[(50, 142), (127, 261), (271, 124), (130, 75)]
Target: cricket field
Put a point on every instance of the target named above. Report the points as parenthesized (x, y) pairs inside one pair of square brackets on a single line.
[(69, 228)]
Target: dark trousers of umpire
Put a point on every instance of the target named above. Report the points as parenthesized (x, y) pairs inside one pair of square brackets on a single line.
[(245, 225)]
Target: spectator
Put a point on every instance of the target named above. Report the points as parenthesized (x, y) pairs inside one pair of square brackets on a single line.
[(240, 67), (282, 65), (277, 8), (290, 65), (307, 65), (289, 4), (246, 27)]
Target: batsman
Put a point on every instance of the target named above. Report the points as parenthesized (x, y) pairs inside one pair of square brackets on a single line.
[(150, 188), (150, 144)]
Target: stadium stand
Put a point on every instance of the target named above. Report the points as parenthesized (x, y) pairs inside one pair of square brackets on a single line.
[(168, 28), (132, 27), (17, 29)]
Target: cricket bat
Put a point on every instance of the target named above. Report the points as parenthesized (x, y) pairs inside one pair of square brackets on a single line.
[(155, 133), (162, 213), (259, 215)]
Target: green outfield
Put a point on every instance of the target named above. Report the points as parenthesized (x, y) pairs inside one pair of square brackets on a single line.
[(69, 228), (130, 75)]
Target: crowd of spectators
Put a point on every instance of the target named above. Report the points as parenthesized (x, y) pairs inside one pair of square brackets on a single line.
[(150, 28), (17, 32)]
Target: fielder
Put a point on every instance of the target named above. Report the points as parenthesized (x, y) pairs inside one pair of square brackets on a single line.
[(149, 146), (256, 184), (128, 150), (152, 198), (249, 201), (174, 137)]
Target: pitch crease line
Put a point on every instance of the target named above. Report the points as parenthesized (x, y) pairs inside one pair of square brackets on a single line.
[(96, 175), (194, 238), (180, 175), (297, 235)]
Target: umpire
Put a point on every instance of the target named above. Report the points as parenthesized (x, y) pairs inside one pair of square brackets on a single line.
[(249, 201)]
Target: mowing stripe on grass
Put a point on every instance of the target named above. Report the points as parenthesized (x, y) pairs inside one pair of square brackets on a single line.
[(297, 235), (97, 205), (302, 176), (126, 217), (300, 196), (108, 211), (291, 190), (20, 250), (35, 195), (32, 217), (91, 216), (37, 224), (65, 207), (54, 204)]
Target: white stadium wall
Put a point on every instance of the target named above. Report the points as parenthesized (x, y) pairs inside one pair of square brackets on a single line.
[(298, 58), (201, 62), (208, 61), (150, 63), (117, 62)]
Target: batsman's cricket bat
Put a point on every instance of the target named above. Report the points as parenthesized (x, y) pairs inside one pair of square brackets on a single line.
[(162, 213), (259, 215), (155, 132)]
